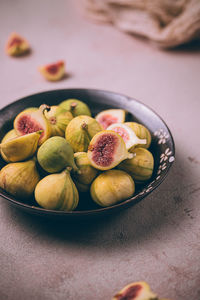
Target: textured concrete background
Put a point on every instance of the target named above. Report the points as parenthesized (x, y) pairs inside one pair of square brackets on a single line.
[(156, 240)]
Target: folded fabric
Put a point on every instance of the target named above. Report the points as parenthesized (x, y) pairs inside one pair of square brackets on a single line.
[(168, 23)]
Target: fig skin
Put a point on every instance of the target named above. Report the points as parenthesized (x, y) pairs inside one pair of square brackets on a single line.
[(141, 132), (19, 179), (106, 150), (21, 147), (57, 192), (55, 154), (141, 166), (111, 187), (80, 131), (86, 174), (54, 71), (76, 107), (32, 120), (17, 45), (8, 136), (136, 291), (111, 116), (58, 118)]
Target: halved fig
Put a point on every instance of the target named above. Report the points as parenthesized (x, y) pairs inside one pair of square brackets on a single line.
[(29, 121), (107, 149), (110, 116), (136, 291), (128, 135), (141, 132), (17, 45), (54, 71)]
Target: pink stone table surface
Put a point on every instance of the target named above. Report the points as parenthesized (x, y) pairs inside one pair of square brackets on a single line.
[(157, 240)]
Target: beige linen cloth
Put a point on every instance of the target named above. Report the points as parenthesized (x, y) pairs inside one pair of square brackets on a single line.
[(167, 23)]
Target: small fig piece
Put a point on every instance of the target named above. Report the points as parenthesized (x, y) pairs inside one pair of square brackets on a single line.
[(19, 179), (76, 107), (136, 291), (140, 167), (111, 187), (17, 45), (106, 150), (54, 71), (58, 119), (141, 132), (21, 147), (8, 136), (29, 121), (80, 131), (86, 173), (57, 191), (127, 134), (55, 154), (110, 116)]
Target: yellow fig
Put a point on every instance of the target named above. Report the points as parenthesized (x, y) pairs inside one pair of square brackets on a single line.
[(8, 136), (58, 119), (136, 291), (141, 132), (57, 192), (107, 149), (21, 147), (111, 187), (140, 167), (80, 131), (31, 120), (76, 107), (19, 179)]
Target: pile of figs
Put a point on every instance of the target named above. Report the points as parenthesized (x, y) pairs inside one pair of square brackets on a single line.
[(54, 153)]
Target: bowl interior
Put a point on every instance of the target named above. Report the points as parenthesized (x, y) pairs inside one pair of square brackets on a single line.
[(162, 146)]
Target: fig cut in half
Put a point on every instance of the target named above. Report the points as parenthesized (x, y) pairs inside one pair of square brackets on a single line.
[(54, 71), (107, 149), (136, 291), (128, 135), (17, 45), (110, 116), (29, 121)]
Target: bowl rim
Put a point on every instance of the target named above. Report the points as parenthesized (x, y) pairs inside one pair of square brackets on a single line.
[(135, 199)]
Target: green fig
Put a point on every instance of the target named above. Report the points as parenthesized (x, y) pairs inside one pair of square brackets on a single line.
[(80, 131), (55, 154), (140, 167), (58, 118), (58, 192), (111, 187), (76, 107), (19, 179)]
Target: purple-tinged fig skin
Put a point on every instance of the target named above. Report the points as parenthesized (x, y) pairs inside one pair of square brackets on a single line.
[(104, 150)]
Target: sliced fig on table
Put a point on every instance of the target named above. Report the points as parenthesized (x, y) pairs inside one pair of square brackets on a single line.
[(17, 45), (54, 71)]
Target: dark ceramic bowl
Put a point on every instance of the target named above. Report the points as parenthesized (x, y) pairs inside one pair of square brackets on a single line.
[(162, 146)]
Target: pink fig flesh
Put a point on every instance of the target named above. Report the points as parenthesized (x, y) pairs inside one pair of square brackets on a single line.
[(27, 125), (104, 150), (130, 293), (107, 119)]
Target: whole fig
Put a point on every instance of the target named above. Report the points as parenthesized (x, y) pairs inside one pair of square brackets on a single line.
[(8, 136), (111, 187), (55, 154), (57, 191), (19, 179), (76, 107), (80, 131)]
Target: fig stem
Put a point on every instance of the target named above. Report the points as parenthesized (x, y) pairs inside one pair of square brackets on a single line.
[(44, 107), (130, 155), (73, 105), (84, 126)]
